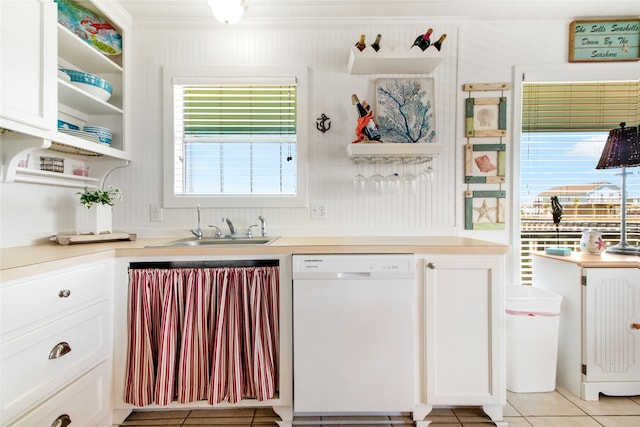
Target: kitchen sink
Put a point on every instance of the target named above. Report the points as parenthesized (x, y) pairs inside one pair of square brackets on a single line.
[(212, 241)]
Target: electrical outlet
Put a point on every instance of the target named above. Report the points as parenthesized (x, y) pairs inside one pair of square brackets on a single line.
[(156, 213), (318, 211)]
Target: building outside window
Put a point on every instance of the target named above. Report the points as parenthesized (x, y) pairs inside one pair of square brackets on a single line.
[(564, 129)]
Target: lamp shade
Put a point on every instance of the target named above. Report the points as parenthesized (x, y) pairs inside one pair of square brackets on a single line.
[(622, 149), (227, 11)]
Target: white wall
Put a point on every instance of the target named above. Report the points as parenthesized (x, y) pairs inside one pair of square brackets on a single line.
[(324, 49), (476, 52)]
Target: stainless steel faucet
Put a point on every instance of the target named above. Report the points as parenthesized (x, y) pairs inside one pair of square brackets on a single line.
[(232, 229), (263, 226), (198, 231)]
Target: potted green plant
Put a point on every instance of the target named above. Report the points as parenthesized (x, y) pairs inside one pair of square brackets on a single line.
[(94, 216), (99, 197)]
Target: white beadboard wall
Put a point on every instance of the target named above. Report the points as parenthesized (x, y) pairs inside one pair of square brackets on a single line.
[(324, 49), (476, 51)]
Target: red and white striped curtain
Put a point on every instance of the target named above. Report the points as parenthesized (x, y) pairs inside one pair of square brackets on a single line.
[(202, 334)]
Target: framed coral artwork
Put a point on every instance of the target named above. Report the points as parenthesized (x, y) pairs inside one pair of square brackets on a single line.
[(485, 163), (405, 110), (485, 210)]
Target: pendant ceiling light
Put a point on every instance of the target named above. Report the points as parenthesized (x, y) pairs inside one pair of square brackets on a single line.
[(227, 11)]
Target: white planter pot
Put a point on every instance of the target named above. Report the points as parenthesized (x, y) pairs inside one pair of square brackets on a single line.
[(95, 220)]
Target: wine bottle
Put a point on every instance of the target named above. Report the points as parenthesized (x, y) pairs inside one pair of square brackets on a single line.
[(423, 41), (369, 127), (438, 43), (360, 43), (376, 43)]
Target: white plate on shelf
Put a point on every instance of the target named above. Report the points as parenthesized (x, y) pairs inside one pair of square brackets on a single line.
[(64, 76), (81, 134)]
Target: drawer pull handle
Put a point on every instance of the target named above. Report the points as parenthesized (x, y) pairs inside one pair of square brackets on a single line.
[(62, 421), (635, 325), (59, 350), (431, 265), (64, 293)]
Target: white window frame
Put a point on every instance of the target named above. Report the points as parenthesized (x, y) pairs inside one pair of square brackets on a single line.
[(591, 72), (178, 74)]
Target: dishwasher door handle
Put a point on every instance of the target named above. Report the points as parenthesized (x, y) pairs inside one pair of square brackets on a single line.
[(363, 275)]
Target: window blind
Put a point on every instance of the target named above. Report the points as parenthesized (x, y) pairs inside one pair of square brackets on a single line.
[(588, 106), (235, 138), (247, 110)]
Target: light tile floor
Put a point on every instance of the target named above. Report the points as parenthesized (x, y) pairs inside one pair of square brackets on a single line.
[(554, 409)]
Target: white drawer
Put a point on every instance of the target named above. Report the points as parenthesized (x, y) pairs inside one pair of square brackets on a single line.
[(85, 402), (30, 376), (27, 301)]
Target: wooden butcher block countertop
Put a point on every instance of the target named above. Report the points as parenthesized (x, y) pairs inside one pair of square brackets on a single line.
[(24, 260)]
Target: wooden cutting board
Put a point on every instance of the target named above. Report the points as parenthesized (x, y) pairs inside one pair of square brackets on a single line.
[(67, 239)]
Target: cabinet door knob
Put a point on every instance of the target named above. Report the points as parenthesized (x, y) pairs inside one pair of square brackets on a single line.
[(431, 265), (64, 293), (59, 350), (635, 325), (62, 421)]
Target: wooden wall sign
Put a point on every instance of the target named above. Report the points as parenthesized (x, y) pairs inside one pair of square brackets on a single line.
[(604, 40)]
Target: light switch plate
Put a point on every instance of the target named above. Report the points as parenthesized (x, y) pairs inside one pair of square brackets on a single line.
[(155, 213)]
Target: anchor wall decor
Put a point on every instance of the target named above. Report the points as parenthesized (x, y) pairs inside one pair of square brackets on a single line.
[(323, 123)]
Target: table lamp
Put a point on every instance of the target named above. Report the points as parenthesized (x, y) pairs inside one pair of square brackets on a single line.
[(622, 150)]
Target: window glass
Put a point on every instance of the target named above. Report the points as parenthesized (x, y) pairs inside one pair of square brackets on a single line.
[(563, 163), (234, 141)]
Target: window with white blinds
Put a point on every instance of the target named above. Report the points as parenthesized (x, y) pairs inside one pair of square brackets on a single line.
[(564, 129), (583, 106), (235, 139)]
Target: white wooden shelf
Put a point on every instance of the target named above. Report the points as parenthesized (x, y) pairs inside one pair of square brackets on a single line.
[(381, 152), (54, 178), (84, 56), (83, 101), (36, 134), (396, 61)]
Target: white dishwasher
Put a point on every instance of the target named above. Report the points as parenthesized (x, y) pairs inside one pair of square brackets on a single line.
[(353, 332)]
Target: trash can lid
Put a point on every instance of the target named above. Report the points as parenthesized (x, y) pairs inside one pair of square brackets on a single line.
[(530, 298)]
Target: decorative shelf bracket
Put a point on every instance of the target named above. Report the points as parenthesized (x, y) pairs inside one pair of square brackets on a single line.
[(15, 147)]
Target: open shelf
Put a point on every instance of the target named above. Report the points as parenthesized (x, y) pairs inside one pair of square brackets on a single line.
[(84, 56), (381, 152), (396, 61)]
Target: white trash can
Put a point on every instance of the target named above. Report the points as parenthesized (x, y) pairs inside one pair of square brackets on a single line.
[(532, 322)]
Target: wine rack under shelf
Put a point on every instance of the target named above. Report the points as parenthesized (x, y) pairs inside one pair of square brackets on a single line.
[(401, 152)]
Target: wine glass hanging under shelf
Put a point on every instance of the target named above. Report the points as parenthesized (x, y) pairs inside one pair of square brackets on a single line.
[(386, 153)]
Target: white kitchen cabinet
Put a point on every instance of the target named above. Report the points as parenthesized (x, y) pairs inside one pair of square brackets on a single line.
[(83, 403), (26, 137), (27, 64), (56, 327), (599, 337), (463, 338)]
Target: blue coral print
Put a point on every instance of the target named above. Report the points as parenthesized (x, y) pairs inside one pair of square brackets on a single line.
[(405, 110)]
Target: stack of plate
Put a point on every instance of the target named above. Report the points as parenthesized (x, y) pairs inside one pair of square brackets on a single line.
[(94, 85), (80, 134), (103, 134), (66, 125)]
